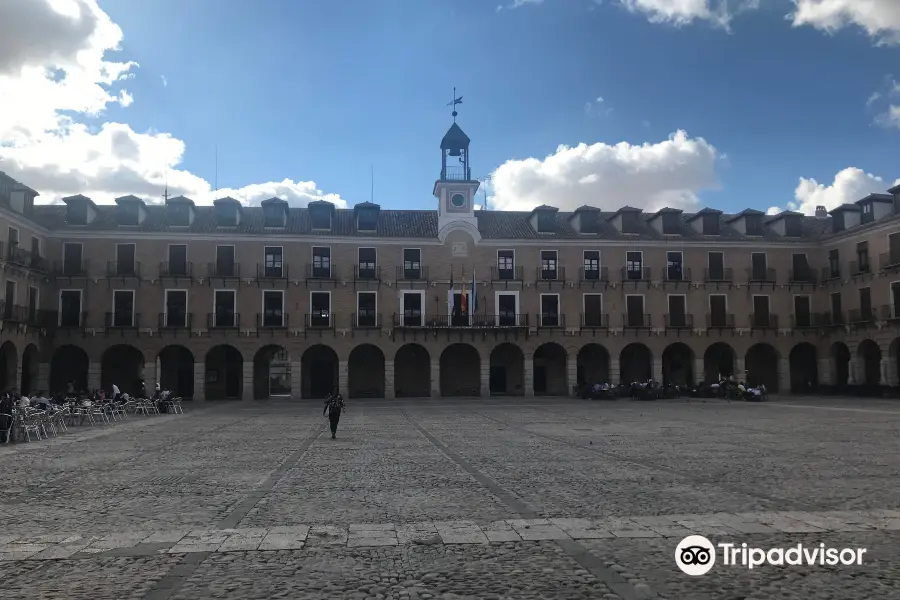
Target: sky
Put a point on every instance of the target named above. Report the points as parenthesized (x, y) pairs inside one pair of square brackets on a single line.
[(769, 104)]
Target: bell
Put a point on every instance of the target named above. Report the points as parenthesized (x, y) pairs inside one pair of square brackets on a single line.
[(455, 152)]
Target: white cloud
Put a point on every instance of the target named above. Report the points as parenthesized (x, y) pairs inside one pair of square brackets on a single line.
[(685, 12), (888, 113), (890, 118), (54, 71), (879, 18), (650, 176), (849, 185)]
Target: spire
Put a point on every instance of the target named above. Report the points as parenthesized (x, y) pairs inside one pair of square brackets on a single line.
[(456, 100)]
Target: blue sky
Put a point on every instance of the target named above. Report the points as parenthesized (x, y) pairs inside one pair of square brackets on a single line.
[(320, 91)]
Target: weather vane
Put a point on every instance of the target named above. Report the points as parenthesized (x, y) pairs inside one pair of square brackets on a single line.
[(453, 103)]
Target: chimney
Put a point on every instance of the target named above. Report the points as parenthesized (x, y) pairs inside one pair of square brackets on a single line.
[(821, 213)]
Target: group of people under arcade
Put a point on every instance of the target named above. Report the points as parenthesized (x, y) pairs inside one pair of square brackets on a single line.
[(724, 387)]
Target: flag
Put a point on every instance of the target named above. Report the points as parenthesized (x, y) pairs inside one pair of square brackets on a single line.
[(474, 295), (463, 305), (455, 101)]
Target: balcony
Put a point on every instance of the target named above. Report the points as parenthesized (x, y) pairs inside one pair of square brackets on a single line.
[(365, 319), (763, 321), (635, 274), (890, 312), (759, 275), (223, 270), (13, 313), (270, 272), (724, 275), (802, 276), (500, 321), (830, 274), (551, 320), (70, 268), (122, 319), (806, 321), (223, 319), (321, 271), (69, 320), (319, 320), (516, 273), (889, 261), (860, 316), (719, 321), (636, 321), (123, 268), (859, 267), (544, 274), (174, 320), (456, 173), (176, 269), (833, 319), (272, 320), (594, 321), (17, 255), (411, 273), (598, 275), (367, 273), (677, 321), (677, 274)]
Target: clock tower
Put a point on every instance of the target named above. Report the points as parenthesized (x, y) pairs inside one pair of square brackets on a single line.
[(455, 189)]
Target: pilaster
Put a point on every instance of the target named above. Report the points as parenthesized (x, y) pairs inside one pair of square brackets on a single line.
[(528, 371), (657, 372), (571, 374), (825, 371), (343, 379), (436, 379), (43, 378), (199, 382), (784, 376), (388, 379), (296, 380), (615, 373), (93, 377), (150, 378), (740, 370), (247, 381), (699, 371)]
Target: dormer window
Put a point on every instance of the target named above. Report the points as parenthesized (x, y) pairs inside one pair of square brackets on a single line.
[(868, 214), (590, 221), (273, 215), (178, 214), (671, 223), (631, 222), (76, 213), (546, 222), (367, 219), (753, 224), (128, 213), (711, 224), (837, 221), (793, 226), (320, 218), (226, 212)]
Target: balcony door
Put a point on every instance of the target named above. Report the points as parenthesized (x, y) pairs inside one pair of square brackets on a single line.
[(895, 300), (718, 310), (70, 308), (507, 309), (761, 311), (459, 307), (802, 316), (634, 305)]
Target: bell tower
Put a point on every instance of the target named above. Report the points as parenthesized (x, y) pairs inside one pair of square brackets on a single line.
[(455, 189)]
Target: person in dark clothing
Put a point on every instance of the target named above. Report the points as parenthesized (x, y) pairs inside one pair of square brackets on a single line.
[(334, 405), (6, 406)]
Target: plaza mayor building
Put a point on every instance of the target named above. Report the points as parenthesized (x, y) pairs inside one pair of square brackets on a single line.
[(230, 301)]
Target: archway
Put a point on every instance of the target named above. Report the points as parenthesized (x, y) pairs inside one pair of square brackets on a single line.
[(460, 371), (224, 373), (592, 365), (761, 362), (319, 371), (30, 366), (122, 365), (69, 363), (365, 372), (840, 357), (870, 356), (507, 376), (271, 372), (718, 362), (412, 372), (550, 370), (9, 364), (678, 365), (635, 364), (804, 363), (175, 371)]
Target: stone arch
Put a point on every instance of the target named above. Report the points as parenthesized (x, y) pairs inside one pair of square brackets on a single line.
[(507, 375), (175, 371), (122, 365), (550, 370), (9, 365), (840, 358), (30, 368), (69, 363), (678, 365), (412, 372), (460, 371), (319, 371), (718, 362), (592, 365), (804, 365), (224, 373), (365, 372), (869, 354), (635, 363), (271, 372), (761, 362)]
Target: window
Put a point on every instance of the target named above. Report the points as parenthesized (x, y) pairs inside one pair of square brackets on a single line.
[(35, 248), (123, 308), (634, 312), (413, 305), (867, 214), (761, 316), (631, 222), (367, 219), (802, 316), (367, 309), (125, 264), (716, 266), (895, 300), (70, 308), (506, 262), (273, 308), (13, 238), (593, 310), (674, 266), (677, 311), (753, 224), (225, 308), (178, 259), (671, 223), (834, 264), (176, 308), (10, 299), (634, 265), (591, 265), (72, 258), (837, 221), (793, 226), (507, 309), (590, 221), (367, 262), (893, 250), (837, 311), (225, 265), (412, 266), (178, 214), (274, 266), (320, 309), (865, 303), (227, 214), (800, 266), (711, 224), (76, 213), (546, 221), (321, 262), (862, 257), (549, 271), (320, 218), (128, 213), (758, 267), (550, 316), (32, 304), (273, 214), (718, 310)]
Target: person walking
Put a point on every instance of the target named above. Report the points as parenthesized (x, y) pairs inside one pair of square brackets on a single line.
[(334, 405)]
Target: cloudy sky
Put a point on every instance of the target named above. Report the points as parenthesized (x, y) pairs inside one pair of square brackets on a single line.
[(729, 103)]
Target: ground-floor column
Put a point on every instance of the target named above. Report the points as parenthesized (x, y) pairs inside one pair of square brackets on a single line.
[(657, 372), (150, 378), (699, 371), (388, 379), (199, 382), (825, 372), (93, 377), (43, 378), (853, 375), (571, 375), (784, 376), (485, 377), (435, 378), (247, 380), (885, 371), (528, 370), (343, 379), (614, 371), (19, 375), (296, 379), (740, 370), (893, 375)]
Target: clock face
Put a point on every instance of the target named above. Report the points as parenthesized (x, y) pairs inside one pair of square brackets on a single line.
[(458, 200)]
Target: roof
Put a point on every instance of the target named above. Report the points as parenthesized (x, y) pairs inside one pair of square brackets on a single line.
[(894, 189), (744, 213), (783, 214), (667, 210), (455, 138), (179, 200), (544, 207), (366, 204), (845, 207), (876, 198)]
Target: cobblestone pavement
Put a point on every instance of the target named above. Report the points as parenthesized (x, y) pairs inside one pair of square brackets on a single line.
[(434, 499)]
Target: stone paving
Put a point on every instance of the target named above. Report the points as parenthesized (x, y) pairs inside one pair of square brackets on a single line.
[(511, 499)]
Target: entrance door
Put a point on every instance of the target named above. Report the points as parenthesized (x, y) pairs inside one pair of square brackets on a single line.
[(498, 380), (232, 382), (321, 378)]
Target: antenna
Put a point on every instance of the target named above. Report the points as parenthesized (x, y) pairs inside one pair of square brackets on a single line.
[(217, 171), (372, 198), (166, 192)]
